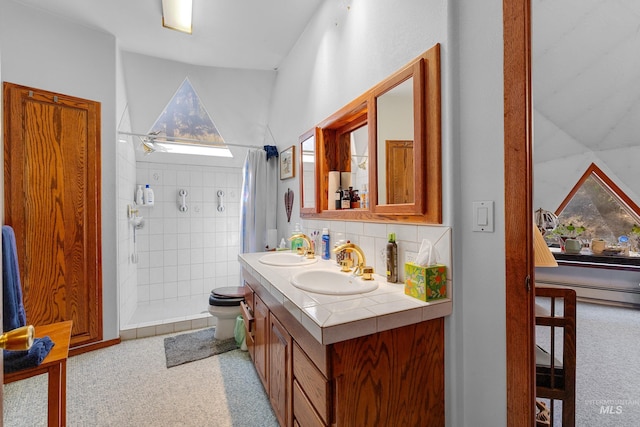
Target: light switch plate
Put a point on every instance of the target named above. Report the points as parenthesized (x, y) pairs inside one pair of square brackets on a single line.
[(483, 216)]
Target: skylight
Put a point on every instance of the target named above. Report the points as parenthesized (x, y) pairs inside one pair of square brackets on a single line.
[(185, 127)]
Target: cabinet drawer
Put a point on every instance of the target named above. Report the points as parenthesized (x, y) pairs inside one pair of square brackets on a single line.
[(248, 319), (303, 411), (313, 384)]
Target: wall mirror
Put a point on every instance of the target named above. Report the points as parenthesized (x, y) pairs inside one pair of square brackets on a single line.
[(308, 193), (385, 145), (394, 145)]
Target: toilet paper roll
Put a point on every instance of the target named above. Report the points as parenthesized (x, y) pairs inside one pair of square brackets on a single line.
[(334, 184), (345, 180)]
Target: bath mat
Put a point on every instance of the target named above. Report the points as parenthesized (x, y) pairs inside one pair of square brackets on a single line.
[(196, 345)]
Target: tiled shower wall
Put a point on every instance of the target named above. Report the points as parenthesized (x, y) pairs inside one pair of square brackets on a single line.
[(186, 254)]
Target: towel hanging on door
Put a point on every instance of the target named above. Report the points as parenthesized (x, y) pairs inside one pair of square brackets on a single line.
[(13, 312), (14, 315)]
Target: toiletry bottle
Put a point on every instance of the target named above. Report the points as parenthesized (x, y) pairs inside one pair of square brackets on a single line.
[(298, 241), (339, 255), (338, 198), (364, 198), (392, 259), (326, 252), (139, 199), (355, 200), (148, 196), (346, 200)]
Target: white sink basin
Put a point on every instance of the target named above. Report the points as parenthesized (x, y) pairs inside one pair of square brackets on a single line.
[(286, 259), (332, 282)]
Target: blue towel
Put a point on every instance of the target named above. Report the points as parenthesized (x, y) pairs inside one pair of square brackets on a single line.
[(13, 314), (18, 360), (272, 151)]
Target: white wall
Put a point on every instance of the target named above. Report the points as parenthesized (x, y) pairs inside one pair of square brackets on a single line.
[(49, 53), (126, 173), (237, 101), (346, 51)]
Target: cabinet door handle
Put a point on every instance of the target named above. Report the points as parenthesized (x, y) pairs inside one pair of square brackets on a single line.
[(247, 317)]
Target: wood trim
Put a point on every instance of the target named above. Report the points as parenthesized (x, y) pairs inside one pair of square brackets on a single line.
[(593, 169), (95, 346), (520, 326)]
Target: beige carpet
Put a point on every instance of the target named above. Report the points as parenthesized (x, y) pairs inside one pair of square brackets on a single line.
[(129, 385)]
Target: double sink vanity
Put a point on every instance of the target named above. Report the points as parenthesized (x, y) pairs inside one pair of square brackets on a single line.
[(333, 349), (342, 349)]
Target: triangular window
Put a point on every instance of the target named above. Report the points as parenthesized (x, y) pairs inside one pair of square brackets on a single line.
[(185, 127), (600, 206)]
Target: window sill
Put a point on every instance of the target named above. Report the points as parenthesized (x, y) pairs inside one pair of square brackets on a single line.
[(587, 259)]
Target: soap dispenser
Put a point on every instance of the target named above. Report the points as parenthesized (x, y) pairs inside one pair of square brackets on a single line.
[(298, 241)]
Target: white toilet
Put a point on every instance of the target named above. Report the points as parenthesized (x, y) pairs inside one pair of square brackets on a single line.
[(224, 305)]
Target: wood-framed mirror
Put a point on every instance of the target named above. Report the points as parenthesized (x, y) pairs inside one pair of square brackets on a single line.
[(398, 168), (398, 174), (308, 169)]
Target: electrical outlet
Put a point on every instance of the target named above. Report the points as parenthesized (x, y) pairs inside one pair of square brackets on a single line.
[(410, 256)]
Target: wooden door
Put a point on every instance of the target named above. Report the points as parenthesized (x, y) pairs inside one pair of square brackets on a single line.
[(52, 200), (399, 155)]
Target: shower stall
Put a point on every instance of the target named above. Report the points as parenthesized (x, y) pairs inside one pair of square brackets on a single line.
[(187, 245)]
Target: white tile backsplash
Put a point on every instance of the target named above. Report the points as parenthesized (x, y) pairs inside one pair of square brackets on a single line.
[(185, 254)]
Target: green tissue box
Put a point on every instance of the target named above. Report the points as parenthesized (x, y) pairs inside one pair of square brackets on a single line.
[(425, 283)]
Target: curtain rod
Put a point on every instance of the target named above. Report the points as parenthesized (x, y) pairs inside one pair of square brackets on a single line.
[(171, 139)]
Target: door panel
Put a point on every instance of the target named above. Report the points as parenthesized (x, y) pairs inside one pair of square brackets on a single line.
[(399, 155), (52, 200)]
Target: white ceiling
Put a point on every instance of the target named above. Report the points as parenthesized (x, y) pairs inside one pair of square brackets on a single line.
[(253, 34), (586, 76)]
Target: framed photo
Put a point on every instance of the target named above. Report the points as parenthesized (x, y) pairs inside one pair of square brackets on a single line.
[(287, 163)]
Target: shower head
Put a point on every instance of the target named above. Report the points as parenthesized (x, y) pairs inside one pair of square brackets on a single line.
[(148, 143)]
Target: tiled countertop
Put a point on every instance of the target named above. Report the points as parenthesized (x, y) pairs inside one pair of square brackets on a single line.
[(335, 318)]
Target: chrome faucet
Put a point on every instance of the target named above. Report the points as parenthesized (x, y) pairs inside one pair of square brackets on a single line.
[(309, 251), (361, 265)]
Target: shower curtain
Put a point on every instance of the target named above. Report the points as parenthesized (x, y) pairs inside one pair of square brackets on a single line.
[(259, 197)]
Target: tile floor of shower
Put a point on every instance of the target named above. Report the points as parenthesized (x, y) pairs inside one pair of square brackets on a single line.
[(168, 316)]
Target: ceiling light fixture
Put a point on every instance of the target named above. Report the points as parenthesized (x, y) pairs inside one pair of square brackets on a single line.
[(176, 15)]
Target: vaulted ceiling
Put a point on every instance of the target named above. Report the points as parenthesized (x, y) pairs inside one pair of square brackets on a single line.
[(586, 76), (252, 34)]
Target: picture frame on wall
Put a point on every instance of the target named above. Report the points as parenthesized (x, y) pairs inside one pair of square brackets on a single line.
[(287, 163)]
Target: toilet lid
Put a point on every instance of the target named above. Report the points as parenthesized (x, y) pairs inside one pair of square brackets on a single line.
[(226, 297), (228, 292)]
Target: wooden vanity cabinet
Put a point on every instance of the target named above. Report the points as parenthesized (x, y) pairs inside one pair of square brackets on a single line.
[(389, 378), (261, 340), (311, 391), (280, 371)]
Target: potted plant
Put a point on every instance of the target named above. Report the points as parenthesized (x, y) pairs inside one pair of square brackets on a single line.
[(568, 237)]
